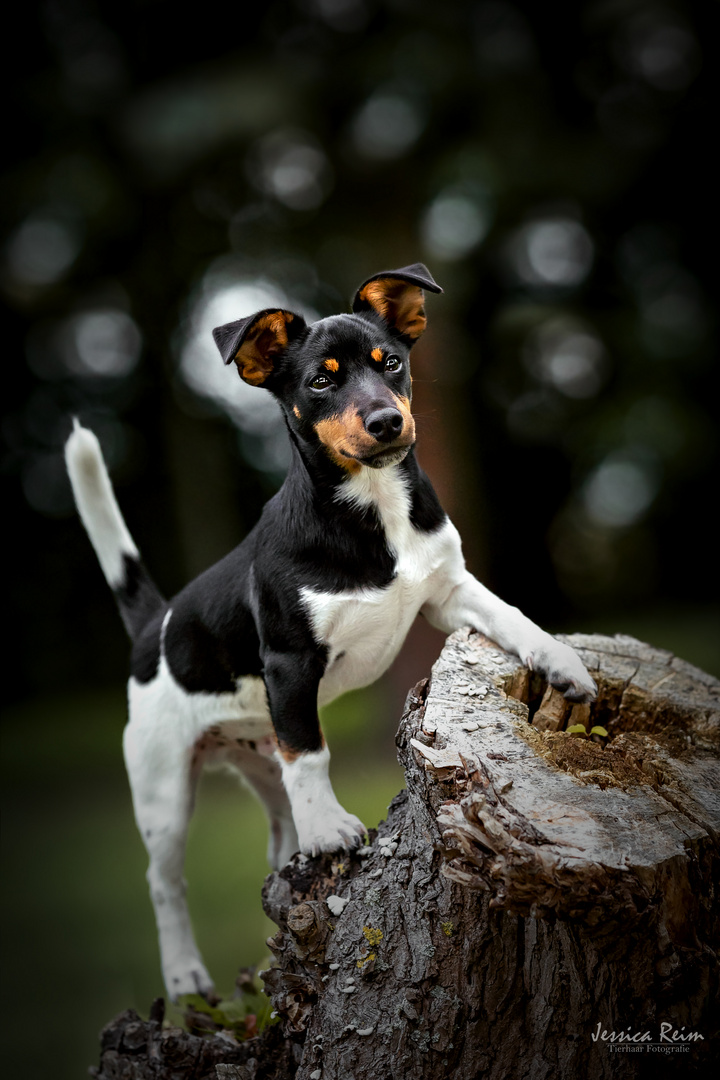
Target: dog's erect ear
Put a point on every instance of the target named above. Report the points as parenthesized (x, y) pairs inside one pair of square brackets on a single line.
[(256, 343), (397, 297)]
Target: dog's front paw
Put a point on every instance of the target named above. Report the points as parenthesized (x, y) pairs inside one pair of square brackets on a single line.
[(330, 832), (561, 666)]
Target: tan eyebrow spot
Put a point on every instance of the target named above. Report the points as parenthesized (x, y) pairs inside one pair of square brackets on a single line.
[(377, 355), (297, 412), (331, 365)]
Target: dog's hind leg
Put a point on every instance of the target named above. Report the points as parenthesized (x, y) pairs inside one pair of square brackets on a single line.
[(262, 773), (159, 751)]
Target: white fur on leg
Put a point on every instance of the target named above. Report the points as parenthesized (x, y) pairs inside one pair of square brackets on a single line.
[(321, 822), (183, 969), (469, 603), (158, 745)]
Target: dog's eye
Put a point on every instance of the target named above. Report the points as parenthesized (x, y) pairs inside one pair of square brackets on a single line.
[(393, 363), (321, 382)]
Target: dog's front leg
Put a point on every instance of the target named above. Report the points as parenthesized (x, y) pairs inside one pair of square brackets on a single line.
[(468, 603), (292, 681)]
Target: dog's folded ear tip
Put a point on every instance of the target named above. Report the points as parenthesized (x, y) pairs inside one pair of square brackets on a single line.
[(227, 338), (424, 277), (414, 274)]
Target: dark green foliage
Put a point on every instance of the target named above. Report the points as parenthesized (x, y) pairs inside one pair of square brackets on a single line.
[(551, 169)]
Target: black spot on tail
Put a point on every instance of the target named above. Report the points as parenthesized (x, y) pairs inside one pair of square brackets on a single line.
[(137, 598)]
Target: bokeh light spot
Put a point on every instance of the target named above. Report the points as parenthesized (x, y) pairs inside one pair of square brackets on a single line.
[(568, 356), (103, 344), (387, 125), (454, 224), (292, 167), (551, 252), (620, 491), (42, 250)]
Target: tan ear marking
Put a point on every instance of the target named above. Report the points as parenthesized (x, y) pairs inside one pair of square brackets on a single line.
[(331, 365), (399, 304), (267, 337)]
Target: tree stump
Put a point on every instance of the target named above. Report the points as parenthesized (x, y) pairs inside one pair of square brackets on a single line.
[(537, 901)]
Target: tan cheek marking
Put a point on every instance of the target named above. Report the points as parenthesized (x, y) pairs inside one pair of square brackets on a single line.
[(403, 405), (348, 464), (331, 433), (297, 412), (345, 432), (331, 365), (377, 355)]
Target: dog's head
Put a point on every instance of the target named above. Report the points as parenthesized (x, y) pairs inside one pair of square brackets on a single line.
[(344, 381)]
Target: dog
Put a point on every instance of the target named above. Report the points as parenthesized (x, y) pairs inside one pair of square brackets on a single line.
[(317, 600)]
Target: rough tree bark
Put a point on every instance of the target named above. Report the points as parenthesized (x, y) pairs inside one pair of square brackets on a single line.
[(530, 890)]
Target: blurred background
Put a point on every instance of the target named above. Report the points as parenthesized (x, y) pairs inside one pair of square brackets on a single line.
[(179, 168)]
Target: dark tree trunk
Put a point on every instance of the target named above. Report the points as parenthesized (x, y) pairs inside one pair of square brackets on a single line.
[(531, 892)]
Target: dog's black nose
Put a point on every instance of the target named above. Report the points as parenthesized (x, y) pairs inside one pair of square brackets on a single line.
[(384, 424)]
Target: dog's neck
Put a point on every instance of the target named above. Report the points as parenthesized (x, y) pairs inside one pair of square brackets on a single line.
[(384, 489), (387, 493)]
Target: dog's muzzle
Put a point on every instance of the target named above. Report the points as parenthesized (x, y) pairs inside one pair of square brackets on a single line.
[(385, 425)]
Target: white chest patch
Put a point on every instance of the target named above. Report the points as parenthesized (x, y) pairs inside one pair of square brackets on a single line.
[(365, 628)]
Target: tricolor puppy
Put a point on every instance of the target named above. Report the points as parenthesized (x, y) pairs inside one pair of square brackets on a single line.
[(317, 600)]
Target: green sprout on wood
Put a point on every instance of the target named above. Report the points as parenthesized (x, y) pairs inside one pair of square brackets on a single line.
[(243, 1016), (580, 729)]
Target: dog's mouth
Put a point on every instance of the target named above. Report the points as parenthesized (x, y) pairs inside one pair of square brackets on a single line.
[(383, 458)]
